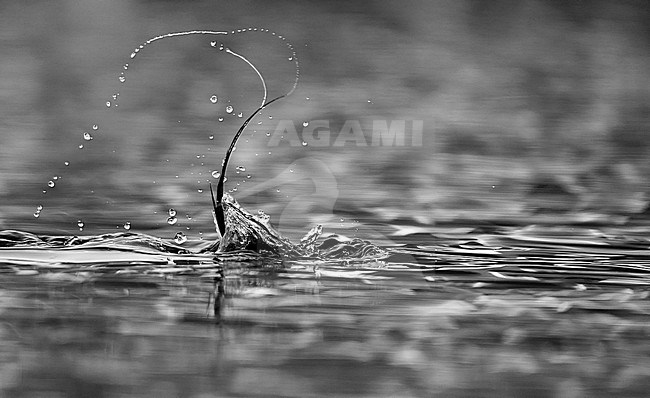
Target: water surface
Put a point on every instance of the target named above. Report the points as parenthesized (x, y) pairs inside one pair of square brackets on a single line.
[(505, 256), (454, 311)]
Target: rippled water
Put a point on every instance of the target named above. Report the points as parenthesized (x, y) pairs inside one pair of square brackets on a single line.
[(505, 254), (456, 311)]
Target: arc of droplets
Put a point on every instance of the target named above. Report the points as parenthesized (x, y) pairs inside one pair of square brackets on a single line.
[(215, 32), (219, 33), (219, 214)]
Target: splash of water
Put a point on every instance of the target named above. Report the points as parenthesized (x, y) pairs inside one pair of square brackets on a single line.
[(122, 77), (238, 229), (288, 44), (246, 231)]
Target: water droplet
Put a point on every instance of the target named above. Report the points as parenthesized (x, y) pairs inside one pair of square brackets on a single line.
[(248, 176), (39, 207), (221, 47), (240, 114), (172, 220), (277, 190), (180, 238), (241, 168), (95, 127), (234, 189), (211, 137), (87, 136), (229, 109), (290, 170), (172, 212), (290, 58), (268, 133), (213, 43), (305, 124), (304, 143), (199, 190), (122, 79), (126, 66), (220, 118), (216, 174), (80, 224), (263, 216), (66, 163), (214, 99), (44, 192), (307, 98), (50, 184), (81, 146), (108, 104), (127, 225), (133, 55), (270, 117)]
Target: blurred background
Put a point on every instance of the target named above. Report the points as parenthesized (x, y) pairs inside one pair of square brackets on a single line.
[(531, 111)]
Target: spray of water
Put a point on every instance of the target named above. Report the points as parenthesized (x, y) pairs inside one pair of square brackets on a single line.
[(290, 46), (122, 77), (246, 231), (218, 199)]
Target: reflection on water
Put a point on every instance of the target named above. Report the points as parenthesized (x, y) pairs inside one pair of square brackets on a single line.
[(454, 311), (513, 239)]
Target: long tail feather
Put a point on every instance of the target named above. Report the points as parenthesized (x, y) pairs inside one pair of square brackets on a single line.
[(217, 203)]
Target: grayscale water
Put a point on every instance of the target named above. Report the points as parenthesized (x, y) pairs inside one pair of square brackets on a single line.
[(504, 255)]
